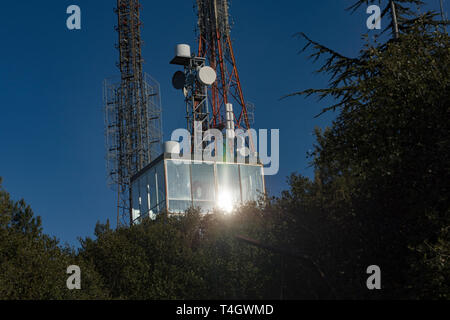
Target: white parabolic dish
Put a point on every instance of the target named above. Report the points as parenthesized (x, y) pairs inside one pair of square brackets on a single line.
[(207, 76)]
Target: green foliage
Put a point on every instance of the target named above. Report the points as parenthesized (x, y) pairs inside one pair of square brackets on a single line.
[(191, 257), (383, 165), (33, 265)]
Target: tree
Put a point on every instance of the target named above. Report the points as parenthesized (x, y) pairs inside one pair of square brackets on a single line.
[(188, 257), (33, 265), (383, 165), (400, 12)]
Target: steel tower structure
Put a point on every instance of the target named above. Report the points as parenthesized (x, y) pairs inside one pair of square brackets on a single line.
[(216, 46), (132, 111)]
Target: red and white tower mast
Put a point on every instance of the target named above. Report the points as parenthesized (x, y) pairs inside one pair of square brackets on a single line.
[(215, 45)]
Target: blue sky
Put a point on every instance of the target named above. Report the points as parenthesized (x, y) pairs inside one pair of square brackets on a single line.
[(51, 119)]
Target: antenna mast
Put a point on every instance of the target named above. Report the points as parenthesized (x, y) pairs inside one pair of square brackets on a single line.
[(132, 111), (216, 46)]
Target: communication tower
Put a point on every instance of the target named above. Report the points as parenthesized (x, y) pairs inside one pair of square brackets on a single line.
[(215, 45), (132, 106)]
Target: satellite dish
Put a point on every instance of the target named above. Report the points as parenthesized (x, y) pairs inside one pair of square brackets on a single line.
[(178, 80), (207, 76)]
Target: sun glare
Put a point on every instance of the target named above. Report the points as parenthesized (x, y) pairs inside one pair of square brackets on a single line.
[(225, 201)]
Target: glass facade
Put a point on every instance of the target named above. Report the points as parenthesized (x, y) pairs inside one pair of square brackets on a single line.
[(153, 193), (252, 183), (160, 188), (203, 186), (228, 185), (136, 210), (143, 193), (148, 193), (179, 186), (190, 184)]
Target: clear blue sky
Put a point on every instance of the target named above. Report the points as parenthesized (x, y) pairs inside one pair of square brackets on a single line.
[(51, 119)]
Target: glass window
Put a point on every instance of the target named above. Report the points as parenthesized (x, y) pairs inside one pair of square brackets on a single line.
[(205, 206), (152, 188), (229, 191), (161, 184), (203, 184), (136, 211), (179, 180), (144, 194), (179, 186), (252, 182), (179, 206)]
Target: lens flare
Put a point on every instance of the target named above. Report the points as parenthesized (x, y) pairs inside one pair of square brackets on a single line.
[(225, 201)]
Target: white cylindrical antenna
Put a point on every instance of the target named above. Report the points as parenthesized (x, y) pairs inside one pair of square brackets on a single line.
[(230, 116), (230, 121), (172, 147), (182, 55), (183, 51)]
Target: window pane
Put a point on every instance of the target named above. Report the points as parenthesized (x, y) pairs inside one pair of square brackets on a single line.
[(143, 189), (205, 206), (136, 212), (203, 184), (228, 184), (252, 182), (179, 206), (161, 177), (179, 180), (152, 188)]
